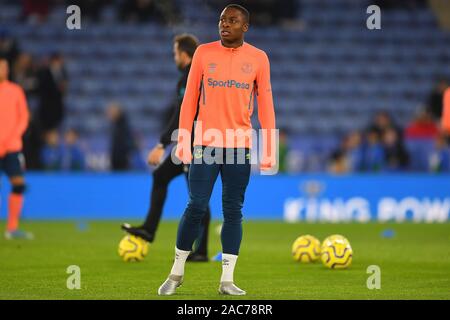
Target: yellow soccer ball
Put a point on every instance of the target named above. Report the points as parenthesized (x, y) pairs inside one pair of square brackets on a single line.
[(306, 249), (336, 252), (132, 248)]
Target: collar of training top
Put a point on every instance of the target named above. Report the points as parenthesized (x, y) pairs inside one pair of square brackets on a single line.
[(232, 49), (4, 83)]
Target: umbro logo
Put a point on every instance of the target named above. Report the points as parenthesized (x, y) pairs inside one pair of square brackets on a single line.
[(212, 67)]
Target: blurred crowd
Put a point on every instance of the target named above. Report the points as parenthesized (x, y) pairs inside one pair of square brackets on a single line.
[(44, 82), (381, 146), (168, 12), (164, 11), (48, 143), (264, 12)]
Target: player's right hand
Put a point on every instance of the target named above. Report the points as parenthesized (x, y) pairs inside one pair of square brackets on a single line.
[(155, 155)]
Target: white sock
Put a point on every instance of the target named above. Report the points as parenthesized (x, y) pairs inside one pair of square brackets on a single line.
[(179, 262), (228, 263)]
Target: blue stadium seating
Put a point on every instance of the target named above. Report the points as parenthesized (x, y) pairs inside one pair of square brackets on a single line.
[(327, 79)]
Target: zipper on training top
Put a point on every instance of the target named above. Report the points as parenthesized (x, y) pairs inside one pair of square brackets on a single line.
[(202, 90), (231, 62), (251, 95)]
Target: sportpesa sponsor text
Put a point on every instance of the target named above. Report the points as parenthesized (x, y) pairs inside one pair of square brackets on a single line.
[(228, 84)]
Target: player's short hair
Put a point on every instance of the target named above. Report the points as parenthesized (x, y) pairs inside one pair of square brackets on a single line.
[(187, 43), (241, 9)]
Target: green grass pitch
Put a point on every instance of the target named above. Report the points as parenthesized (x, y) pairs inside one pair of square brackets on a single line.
[(415, 263)]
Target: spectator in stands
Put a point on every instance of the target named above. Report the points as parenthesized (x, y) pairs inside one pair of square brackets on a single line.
[(24, 73), (439, 159), (349, 156), (51, 153), (267, 12), (72, 154), (36, 11), (399, 4), (422, 127), (163, 12), (9, 47), (354, 151), (373, 153), (53, 81), (436, 97), (383, 121), (122, 141), (396, 155), (90, 9), (338, 162), (286, 14)]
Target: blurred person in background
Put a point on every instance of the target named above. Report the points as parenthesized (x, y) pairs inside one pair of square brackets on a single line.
[(348, 157), (422, 127), (122, 143), (373, 152), (354, 151), (337, 163), (13, 123), (53, 81), (91, 9), (73, 158), (383, 121), (163, 12), (24, 73), (36, 11), (9, 48), (184, 47), (267, 12), (439, 160), (395, 4), (435, 100), (396, 155), (51, 152)]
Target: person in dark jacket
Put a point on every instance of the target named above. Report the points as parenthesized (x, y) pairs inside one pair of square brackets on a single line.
[(166, 171), (122, 141), (52, 89)]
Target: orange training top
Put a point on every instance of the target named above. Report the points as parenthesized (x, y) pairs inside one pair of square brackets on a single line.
[(223, 83), (446, 111), (13, 117)]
